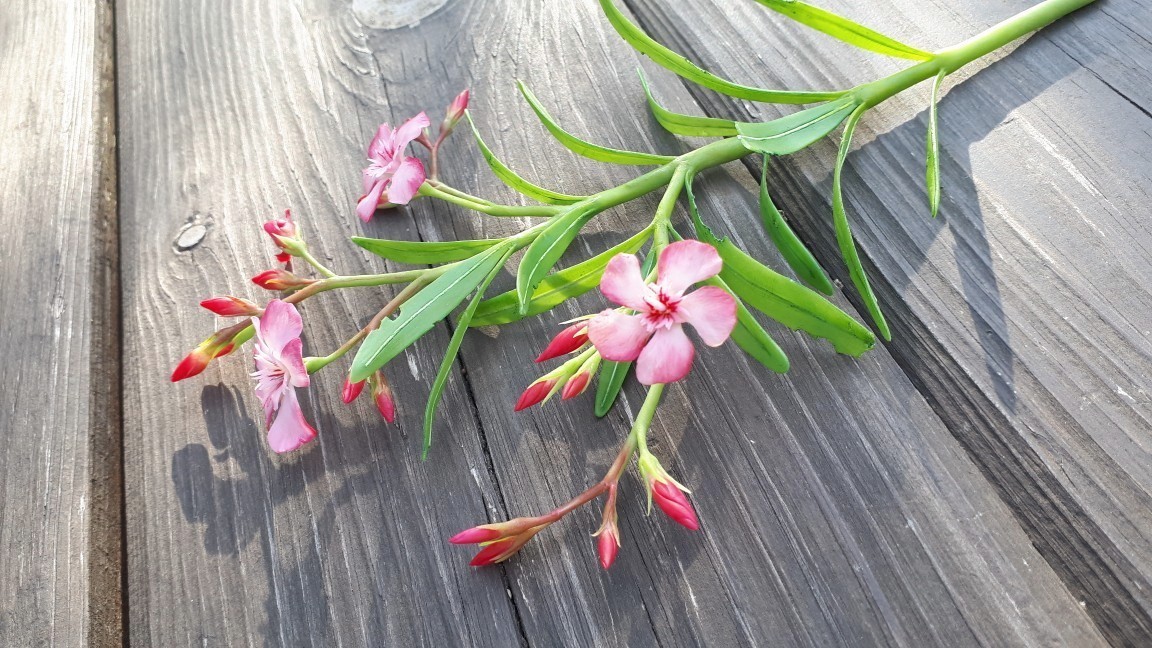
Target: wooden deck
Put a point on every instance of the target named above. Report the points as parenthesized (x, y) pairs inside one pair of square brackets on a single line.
[(985, 479)]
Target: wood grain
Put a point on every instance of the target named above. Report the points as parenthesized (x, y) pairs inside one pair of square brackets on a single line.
[(59, 526), (1022, 313)]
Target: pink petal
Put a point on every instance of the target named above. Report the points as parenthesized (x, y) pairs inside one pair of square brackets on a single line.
[(293, 359), (289, 430), (409, 131), (711, 311), (381, 147), (373, 175), (279, 325), (618, 337), (684, 263), (666, 358), (623, 284), (368, 203), (406, 182)]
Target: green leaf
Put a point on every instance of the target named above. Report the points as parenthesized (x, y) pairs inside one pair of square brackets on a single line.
[(844, 233), (791, 303), (546, 250), (609, 384), (793, 132), (680, 124), (932, 178), (451, 352), (752, 338), (798, 257), (556, 288), (845, 30), (418, 315), (587, 149), (670, 60), (425, 252), (510, 178)]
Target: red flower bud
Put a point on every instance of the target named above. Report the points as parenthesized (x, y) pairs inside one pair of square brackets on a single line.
[(494, 552), (675, 505), (280, 280), (219, 344), (232, 307), (576, 385), (454, 114), (565, 342), (535, 393), (475, 535), (608, 546), (279, 228), (352, 390), (192, 364), (382, 394)]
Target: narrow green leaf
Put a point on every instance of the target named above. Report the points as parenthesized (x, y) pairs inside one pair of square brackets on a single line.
[(798, 257), (750, 336), (546, 250), (451, 352), (791, 303), (609, 384), (680, 124), (510, 177), (419, 314), (587, 149), (932, 178), (425, 252), (676, 63), (793, 132), (841, 28), (844, 233), (556, 288)]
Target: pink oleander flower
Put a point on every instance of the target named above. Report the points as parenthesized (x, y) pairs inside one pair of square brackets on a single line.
[(279, 371), (391, 177), (232, 307), (565, 342), (667, 492), (654, 336), (286, 236), (280, 280), (218, 345)]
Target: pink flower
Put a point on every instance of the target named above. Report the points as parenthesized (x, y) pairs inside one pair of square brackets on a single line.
[(279, 371), (390, 170), (286, 236), (654, 336)]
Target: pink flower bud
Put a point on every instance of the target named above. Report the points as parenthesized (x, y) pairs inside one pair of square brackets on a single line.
[(565, 342), (219, 344), (675, 505), (351, 390), (476, 535), (576, 385), (454, 114), (192, 364), (608, 546), (382, 395), (536, 393), (494, 553), (232, 307), (280, 280), (286, 236)]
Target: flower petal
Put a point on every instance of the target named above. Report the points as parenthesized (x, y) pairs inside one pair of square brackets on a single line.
[(666, 358), (279, 325), (623, 284), (406, 182), (409, 131), (618, 337), (381, 147), (684, 263), (369, 201), (711, 311), (292, 357), (289, 430)]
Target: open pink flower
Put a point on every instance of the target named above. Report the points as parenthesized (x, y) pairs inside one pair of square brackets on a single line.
[(654, 336), (279, 371), (392, 177)]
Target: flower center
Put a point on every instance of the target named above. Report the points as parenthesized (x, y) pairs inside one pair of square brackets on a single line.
[(662, 309)]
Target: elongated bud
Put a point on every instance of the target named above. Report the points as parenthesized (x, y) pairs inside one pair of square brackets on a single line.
[(494, 553), (351, 390), (583, 376), (232, 307), (454, 113), (382, 395), (536, 393), (609, 544), (476, 535), (666, 492), (219, 344), (565, 342), (280, 280)]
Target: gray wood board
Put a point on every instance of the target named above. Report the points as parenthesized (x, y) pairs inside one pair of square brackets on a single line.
[(836, 506), (1022, 313), (59, 570)]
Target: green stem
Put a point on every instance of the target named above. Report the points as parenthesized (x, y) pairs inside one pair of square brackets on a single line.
[(315, 263), (663, 218), (469, 202), (644, 417)]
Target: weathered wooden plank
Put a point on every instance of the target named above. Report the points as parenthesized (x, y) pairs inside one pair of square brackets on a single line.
[(59, 508), (227, 116), (836, 507), (1022, 312)]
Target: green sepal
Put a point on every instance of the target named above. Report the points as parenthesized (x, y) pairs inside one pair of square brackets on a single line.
[(587, 149), (513, 180)]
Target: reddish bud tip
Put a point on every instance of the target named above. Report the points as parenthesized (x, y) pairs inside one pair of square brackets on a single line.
[(535, 393), (455, 112), (565, 342), (192, 364), (475, 535), (231, 307), (491, 553), (675, 505), (382, 395), (279, 280), (352, 390), (576, 385), (608, 546)]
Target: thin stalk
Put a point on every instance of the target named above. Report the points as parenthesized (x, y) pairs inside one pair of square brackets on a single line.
[(318, 363), (315, 263), (434, 191)]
